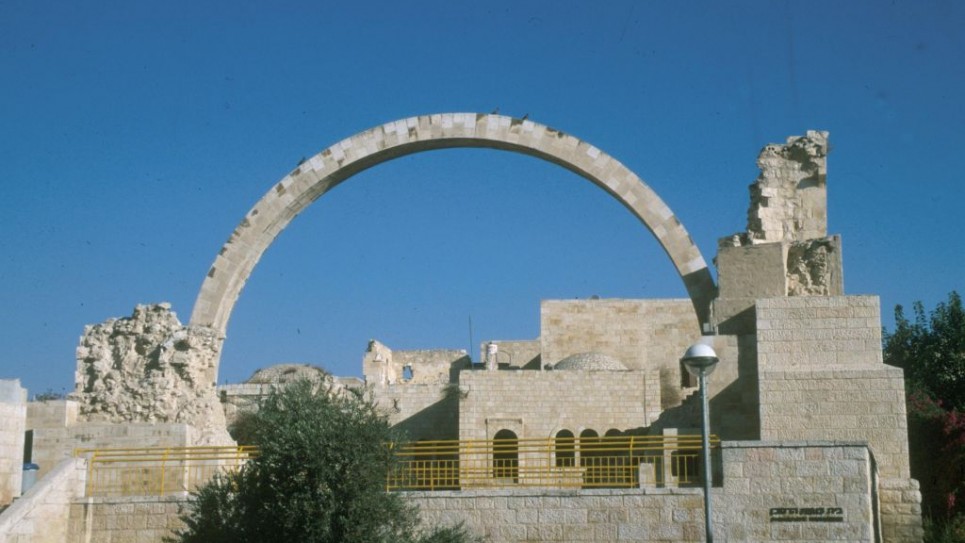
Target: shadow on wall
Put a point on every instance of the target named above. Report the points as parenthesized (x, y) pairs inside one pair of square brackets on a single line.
[(437, 421)]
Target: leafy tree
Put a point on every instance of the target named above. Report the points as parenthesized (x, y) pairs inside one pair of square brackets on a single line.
[(931, 350), (319, 477)]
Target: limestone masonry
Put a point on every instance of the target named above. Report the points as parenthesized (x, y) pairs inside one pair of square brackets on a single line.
[(812, 425)]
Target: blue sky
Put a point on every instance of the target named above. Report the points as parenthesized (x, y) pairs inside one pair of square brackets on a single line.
[(134, 136)]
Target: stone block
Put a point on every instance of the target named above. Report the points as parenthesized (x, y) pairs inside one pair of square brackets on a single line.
[(751, 271)]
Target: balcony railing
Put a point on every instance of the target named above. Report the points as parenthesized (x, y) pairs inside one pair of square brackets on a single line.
[(597, 462)]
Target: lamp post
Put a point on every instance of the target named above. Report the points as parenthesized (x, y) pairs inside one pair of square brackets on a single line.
[(700, 360)]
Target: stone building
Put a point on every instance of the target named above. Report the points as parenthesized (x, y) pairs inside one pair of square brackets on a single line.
[(812, 424)]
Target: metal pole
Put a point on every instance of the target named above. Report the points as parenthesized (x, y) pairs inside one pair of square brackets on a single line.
[(705, 444)]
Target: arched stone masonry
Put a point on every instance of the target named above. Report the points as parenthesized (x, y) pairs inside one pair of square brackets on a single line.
[(315, 176)]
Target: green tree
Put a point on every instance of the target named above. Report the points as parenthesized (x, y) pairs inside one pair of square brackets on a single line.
[(319, 477), (931, 350)]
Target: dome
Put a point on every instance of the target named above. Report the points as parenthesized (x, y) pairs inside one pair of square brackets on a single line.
[(287, 373), (590, 361)]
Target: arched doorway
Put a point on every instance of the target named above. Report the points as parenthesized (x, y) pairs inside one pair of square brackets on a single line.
[(506, 456)]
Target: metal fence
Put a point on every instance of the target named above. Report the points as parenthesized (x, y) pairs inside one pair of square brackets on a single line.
[(573, 462), (596, 462), (157, 471)]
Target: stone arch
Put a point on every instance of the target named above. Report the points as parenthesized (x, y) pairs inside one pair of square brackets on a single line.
[(315, 176)]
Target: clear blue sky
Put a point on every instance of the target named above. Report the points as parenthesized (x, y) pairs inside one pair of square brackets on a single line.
[(134, 136)]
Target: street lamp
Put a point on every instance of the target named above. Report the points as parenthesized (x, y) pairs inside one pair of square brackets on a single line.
[(700, 360)]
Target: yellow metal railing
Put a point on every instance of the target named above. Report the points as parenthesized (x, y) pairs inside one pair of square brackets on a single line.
[(598, 462), (157, 471)]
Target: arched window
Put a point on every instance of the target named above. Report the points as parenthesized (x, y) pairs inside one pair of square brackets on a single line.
[(565, 449), (590, 457), (506, 455)]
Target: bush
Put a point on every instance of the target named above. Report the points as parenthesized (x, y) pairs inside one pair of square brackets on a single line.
[(319, 478)]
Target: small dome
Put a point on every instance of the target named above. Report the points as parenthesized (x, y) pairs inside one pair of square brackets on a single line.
[(590, 361), (287, 373)]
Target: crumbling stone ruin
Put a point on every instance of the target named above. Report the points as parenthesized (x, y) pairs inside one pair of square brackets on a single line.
[(149, 368), (786, 250), (789, 198)]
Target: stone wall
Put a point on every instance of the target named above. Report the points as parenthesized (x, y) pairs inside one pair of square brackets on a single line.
[(384, 366), (801, 491), (537, 404), (142, 519), (643, 334), (859, 404), (42, 514), (578, 515), (423, 411), (48, 422), (13, 414), (812, 332), (821, 376), (820, 491), (93, 435), (900, 510), (797, 491)]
